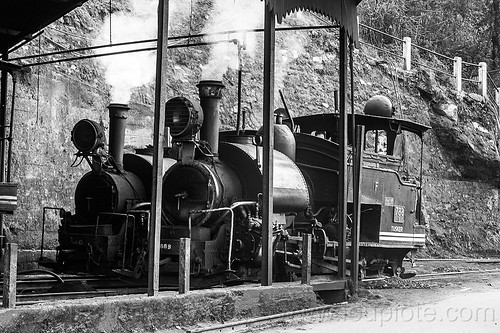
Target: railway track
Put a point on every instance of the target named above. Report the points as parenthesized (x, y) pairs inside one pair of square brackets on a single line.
[(446, 275), (43, 285), (259, 322), (436, 276), (468, 267), (255, 324)]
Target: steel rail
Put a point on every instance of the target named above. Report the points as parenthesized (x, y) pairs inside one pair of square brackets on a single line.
[(238, 325), (437, 276), (469, 260)]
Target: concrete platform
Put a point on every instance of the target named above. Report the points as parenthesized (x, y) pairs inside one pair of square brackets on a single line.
[(168, 311)]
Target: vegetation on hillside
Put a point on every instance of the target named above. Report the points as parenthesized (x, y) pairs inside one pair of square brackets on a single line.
[(470, 29)]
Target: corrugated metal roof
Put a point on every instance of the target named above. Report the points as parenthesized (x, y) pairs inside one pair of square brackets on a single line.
[(19, 19)]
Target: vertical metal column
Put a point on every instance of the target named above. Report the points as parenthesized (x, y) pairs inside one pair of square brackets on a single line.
[(3, 116), (342, 195), (306, 258), (10, 276), (184, 265), (268, 143), (240, 72), (356, 221), (158, 138), (355, 184)]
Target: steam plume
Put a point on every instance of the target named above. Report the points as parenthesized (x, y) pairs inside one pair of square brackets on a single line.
[(129, 70), (231, 15)]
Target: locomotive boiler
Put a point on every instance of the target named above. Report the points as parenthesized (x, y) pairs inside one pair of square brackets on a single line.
[(213, 192), (112, 200), (212, 188)]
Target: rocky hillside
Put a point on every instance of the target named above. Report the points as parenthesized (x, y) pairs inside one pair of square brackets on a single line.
[(461, 162)]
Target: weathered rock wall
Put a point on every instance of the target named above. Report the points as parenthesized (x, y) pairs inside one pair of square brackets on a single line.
[(50, 99), (43, 152), (464, 220)]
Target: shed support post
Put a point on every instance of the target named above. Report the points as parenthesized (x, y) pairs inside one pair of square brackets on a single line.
[(184, 265), (356, 221), (158, 138), (268, 147), (306, 258), (342, 182), (10, 275), (407, 53), (3, 121), (457, 73)]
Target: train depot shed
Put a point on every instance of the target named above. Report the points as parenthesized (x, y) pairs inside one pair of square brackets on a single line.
[(20, 21)]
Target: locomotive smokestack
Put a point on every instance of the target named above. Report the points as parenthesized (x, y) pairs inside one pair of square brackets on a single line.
[(117, 121), (210, 93)]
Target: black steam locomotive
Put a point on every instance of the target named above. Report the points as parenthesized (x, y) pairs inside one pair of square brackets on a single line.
[(212, 187)]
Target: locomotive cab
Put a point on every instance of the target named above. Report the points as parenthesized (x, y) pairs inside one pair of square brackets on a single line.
[(390, 225)]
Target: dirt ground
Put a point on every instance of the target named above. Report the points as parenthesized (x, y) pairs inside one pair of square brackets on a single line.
[(464, 303)]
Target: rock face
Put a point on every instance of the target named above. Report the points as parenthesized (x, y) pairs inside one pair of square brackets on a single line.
[(462, 204), (465, 127), (464, 219), (461, 162)]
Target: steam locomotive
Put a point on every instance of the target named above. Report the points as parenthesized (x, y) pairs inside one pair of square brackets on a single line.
[(212, 188)]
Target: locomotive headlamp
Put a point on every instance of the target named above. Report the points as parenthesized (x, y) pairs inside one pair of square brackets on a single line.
[(183, 116), (87, 136)]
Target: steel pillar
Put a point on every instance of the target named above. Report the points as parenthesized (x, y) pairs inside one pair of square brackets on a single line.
[(268, 143)]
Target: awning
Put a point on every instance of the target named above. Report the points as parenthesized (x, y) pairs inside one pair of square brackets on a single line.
[(20, 19), (346, 17)]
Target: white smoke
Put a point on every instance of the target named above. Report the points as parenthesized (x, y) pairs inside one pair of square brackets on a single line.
[(293, 47), (129, 70), (230, 15)]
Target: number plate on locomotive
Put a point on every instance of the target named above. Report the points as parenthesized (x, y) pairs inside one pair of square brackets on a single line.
[(169, 247), (399, 214)]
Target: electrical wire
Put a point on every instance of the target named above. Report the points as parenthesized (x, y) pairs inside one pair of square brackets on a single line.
[(110, 14), (190, 21), (38, 81)]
